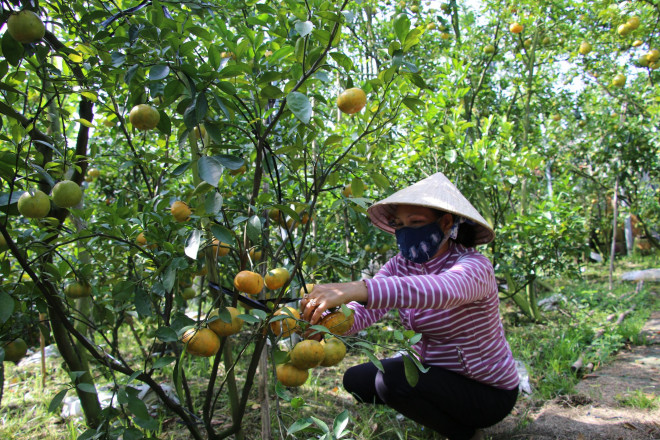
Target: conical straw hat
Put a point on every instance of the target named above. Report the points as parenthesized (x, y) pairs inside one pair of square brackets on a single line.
[(435, 192)]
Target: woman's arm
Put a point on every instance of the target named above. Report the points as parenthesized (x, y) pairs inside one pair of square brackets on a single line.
[(471, 278)]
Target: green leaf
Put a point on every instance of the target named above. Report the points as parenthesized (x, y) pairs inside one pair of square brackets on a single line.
[(164, 123), (137, 407), (229, 161), (11, 49), (271, 92), (86, 387), (166, 334), (57, 400), (213, 203), (181, 169), (413, 104), (164, 361), (380, 180), (411, 39), (401, 27), (254, 229), (300, 106), (159, 72), (210, 170), (340, 423), (321, 424), (249, 318), (282, 392), (142, 302), (192, 244), (374, 360), (412, 375), (304, 27), (6, 307), (223, 234), (299, 425)]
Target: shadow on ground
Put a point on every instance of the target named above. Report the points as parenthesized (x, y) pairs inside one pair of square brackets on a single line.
[(594, 413)]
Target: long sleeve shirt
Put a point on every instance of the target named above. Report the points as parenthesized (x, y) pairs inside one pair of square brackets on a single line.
[(452, 300)]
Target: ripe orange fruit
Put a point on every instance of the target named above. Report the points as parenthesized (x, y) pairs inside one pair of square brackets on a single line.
[(337, 322), (276, 278), (222, 328), (516, 28), (255, 255), (26, 27), (180, 211), (347, 191), (144, 117), (290, 376), (276, 216), (141, 240), (77, 289), (15, 350), (66, 194), (308, 286), (201, 342), (287, 326), (248, 282), (335, 351), (34, 206), (307, 354), (352, 100), (220, 248)]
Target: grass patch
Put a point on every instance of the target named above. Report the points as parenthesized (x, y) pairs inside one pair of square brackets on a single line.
[(638, 399)]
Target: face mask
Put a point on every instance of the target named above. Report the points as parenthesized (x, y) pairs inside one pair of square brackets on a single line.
[(419, 245)]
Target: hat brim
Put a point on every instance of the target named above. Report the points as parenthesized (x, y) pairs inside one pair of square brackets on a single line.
[(435, 192)]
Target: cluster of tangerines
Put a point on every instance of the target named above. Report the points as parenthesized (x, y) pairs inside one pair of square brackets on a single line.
[(306, 354)]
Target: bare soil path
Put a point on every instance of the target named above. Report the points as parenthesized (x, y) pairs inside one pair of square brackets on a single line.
[(593, 412)]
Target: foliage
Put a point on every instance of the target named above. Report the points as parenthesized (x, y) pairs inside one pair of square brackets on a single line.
[(533, 133)]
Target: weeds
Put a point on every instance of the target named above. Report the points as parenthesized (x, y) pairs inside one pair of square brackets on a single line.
[(638, 399)]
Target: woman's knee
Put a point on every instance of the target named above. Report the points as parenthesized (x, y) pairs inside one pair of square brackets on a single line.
[(359, 381), (391, 384)]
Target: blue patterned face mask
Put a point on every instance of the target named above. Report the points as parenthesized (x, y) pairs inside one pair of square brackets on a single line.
[(420, 244)]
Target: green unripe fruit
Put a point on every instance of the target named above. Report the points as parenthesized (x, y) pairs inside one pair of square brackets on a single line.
[(67, 194), (34, 206), (15, 350), (26, 27)]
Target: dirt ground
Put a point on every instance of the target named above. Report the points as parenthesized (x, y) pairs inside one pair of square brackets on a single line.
[(593, 412)]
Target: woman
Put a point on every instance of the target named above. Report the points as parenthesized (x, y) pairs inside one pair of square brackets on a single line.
[(445, 290)]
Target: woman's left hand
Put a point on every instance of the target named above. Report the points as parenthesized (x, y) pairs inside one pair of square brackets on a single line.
[(327, 296)]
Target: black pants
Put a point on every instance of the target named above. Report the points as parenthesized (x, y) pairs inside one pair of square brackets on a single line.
[(442, 400)]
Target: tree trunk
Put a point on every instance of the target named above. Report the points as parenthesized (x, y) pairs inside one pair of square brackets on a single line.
[(615, 214), (89, 401)]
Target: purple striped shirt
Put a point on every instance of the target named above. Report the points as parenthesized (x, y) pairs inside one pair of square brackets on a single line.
[(452, 301)]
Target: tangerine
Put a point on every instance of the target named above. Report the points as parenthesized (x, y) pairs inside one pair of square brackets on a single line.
[(287, 326), (307, 354), (276, 278), (248, 282), (222, 328), (335, 351), (201, 342), (337, 322), (180, 211), (352, 100), (291, 376), (144, 117)]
